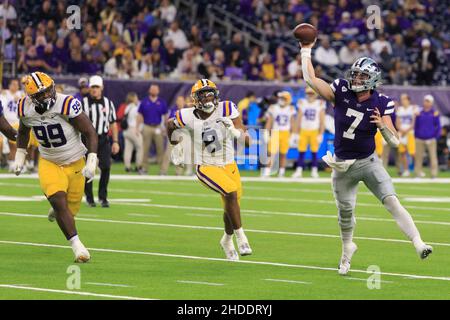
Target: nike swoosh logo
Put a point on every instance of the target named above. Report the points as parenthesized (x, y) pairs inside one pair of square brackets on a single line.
[(370, 109), (77, 172)]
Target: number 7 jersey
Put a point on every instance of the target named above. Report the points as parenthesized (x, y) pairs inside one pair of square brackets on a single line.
[(59, 141), (354, 133)]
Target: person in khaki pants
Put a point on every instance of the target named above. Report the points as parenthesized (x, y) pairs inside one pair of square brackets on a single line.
[(132, 135), (152, 112), (427, 129)]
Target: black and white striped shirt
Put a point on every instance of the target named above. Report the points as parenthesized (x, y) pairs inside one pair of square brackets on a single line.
[(101, 112)]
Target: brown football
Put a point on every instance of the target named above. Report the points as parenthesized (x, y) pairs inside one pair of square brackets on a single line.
[(305, 33)]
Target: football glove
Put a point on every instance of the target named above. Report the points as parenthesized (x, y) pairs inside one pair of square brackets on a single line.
[(293, 140), (19, 160), (89, 169), (177, 155)]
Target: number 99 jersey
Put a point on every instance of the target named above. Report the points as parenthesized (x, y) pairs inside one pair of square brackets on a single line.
[(213, 145), (59, 141)]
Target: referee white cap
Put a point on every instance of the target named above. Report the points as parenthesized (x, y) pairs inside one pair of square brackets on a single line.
[(95, 81)]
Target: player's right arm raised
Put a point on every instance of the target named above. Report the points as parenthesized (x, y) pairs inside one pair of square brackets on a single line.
[(318, 85)]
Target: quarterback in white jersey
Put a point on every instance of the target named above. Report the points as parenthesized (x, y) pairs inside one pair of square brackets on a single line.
[(280, 121), (214, 125), (57, 121), (405, 119)]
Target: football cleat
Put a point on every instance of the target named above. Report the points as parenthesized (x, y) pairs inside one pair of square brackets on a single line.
[(298, 173), (424, 251), (230, 251), (51, 215), (314, 173), (244, 249), (81, 253), (344, 264)]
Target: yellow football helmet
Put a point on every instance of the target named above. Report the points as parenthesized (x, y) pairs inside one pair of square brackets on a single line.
[(205, 95), (286, 96), (40, 87)]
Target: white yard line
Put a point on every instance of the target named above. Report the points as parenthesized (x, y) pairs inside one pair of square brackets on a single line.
[(170, 225), (201, 215), (140, 215), (79, 293), (287, 281), (361, 279), (271, 199), (263, 263), (201, 282), (281, 213), (109, 284)]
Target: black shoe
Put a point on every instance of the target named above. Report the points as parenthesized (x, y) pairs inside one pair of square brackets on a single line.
[(127, 169), (105, 204), (91, 204)]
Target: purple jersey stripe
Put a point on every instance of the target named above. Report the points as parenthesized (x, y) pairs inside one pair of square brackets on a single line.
[(181, 118)]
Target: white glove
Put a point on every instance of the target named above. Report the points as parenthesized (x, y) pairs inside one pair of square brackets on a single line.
[(19, 160), (320, 139), (89, 169), (177, 155), (340, 166), (293, 140), (229, 125)]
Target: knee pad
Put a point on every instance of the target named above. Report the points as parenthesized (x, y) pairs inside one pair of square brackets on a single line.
[(391, 202)]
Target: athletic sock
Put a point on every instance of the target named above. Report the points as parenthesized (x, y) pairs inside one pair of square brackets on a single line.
[(75, 239), (282, 171), (240, 235), (227, 237), (403, 219), (347, 236)]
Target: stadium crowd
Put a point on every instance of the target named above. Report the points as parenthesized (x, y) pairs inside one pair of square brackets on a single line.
[(155, 39)]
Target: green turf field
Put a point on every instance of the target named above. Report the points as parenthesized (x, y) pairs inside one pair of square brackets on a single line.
[(159, 240)]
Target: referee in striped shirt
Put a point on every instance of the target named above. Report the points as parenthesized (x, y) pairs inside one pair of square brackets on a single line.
[(102, 113)]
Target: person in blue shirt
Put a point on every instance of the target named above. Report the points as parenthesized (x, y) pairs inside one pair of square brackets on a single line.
[(427, 129)]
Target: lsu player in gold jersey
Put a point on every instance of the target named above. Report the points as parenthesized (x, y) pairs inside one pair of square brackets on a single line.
[(214, 125), (310, 127), (280, 122), (57, 121)]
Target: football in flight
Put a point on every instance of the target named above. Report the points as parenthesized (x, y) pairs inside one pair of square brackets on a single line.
[(305, 33)]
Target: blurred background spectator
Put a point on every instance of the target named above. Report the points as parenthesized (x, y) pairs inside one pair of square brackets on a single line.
[(162, 39)]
